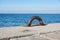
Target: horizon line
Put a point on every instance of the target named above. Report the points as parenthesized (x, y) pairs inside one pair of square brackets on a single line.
[(29, 13)]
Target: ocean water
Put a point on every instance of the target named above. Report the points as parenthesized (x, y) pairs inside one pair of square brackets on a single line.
[(8, 20)]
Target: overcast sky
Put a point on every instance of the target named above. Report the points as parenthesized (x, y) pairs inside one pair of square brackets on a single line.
[(29, 6)]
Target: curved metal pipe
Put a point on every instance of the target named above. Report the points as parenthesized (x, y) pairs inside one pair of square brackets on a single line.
[(38, 18)]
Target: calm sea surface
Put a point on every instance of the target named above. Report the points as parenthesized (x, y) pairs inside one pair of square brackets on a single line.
[(8, 20)]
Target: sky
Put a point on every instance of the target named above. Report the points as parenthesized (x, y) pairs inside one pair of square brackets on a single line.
[(29, 6)]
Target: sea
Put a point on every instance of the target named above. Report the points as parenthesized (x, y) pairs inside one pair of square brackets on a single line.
[(12, 20)]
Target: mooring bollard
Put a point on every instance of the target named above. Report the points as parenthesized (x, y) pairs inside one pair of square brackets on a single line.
[(38, 18)]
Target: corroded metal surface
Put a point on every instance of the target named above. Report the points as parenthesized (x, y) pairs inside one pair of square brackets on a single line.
[(33, 18)]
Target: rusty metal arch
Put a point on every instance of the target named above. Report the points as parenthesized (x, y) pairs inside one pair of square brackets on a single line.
[(33, 18)]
